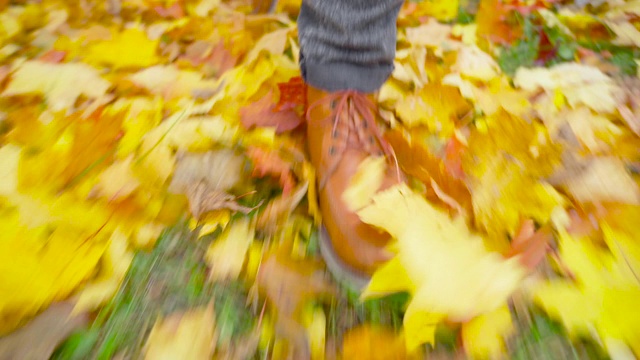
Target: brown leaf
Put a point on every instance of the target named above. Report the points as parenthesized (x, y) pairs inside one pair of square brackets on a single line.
[(39, 338), (263, 113), (203, 199), (288, 286), (218, 170)]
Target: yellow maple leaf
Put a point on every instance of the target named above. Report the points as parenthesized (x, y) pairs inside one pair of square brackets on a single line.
[(129, 48), (61, 84), (227, 254), (506, 156), (189, 335), (445, 267), (435, 105), (604, 296), (45, 261), (484, 336)]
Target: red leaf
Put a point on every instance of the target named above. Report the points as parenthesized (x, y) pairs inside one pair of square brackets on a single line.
[(293, 94), (269, 162), (262, 113)]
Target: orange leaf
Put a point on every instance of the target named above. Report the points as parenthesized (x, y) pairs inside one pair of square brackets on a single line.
[(453, 157), (492, 23), (530, 244), (262, 113), (416, 160), (269, 162)]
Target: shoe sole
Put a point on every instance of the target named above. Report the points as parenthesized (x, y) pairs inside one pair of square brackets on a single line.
[(341, 272)]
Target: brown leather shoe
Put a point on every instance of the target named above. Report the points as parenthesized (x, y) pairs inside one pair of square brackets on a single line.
[(341, 133)]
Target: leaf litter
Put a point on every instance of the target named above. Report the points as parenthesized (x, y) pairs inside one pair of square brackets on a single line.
[(153, 178)]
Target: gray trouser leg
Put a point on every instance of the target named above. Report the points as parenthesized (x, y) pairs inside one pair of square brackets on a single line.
[(347, 44)]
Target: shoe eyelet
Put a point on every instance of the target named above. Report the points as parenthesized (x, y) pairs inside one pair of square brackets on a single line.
[(365, 125), (371, 139), (333, 104), (332, 150)]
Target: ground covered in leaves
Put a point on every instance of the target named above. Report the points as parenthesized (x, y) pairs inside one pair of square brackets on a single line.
[(156, 199)]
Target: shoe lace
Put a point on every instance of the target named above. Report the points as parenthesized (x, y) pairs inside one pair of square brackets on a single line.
[(353, 112)]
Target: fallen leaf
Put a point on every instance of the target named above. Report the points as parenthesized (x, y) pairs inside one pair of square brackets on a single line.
[(437, 106), (203, 200), (217, 170), (40, 336), (269, 162), (529, 245), (289, 285), (504, 157), (432, 250), (263, 113), (118, 180), (273, 43), (601, 179), (114, 266), (493, 23), (171, 83), (61, 84), (601, 298), (485, 336), (475, 64), (374, 342), (441, 10), (227, 252), (188, 335), (129, 48), (432, 34), (416, 159), (278, 210), (579, 84)]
